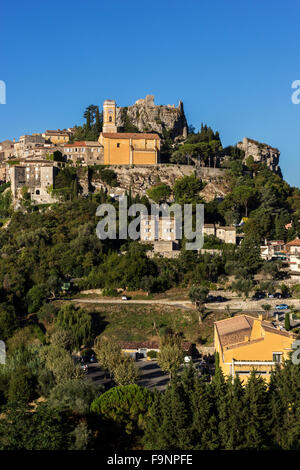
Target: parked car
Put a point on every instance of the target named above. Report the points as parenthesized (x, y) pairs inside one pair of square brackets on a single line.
[(93, 358), (124, 297), (187, 359), (84, 367), (271, 296), (259, 295), (277, 295), (282, 307)]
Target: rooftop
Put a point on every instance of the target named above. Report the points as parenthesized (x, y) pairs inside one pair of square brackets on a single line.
[(129, 135), (295, 242), (233, 331)]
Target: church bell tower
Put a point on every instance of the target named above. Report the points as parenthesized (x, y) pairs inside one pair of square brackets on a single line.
[(109, 116)]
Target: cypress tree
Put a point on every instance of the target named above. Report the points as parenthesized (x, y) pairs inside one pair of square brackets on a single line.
[(88, 120), (287, 324), (204, 418), (257, 414), (98, 125), (231, 420), (284, 400)]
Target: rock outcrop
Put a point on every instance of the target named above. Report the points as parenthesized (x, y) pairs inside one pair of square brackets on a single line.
[(262, 153), (139, 179), (147, 117)]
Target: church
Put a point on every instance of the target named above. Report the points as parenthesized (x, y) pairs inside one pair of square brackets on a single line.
[(124, 148)]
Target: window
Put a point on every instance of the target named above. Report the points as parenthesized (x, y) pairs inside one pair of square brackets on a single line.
[(277, 357), (118, 145), (37, 191)]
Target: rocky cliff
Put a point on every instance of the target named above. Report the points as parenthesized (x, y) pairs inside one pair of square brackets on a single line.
[(262, 153), (148, 117), (139, 179)]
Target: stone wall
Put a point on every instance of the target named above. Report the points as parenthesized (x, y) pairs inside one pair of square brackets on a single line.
[(140, 178)]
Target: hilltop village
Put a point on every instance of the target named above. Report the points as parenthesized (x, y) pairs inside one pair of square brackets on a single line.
[(94, 327)]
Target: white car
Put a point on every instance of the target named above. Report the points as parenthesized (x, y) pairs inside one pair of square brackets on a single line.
[(124, 297), (187, 358)]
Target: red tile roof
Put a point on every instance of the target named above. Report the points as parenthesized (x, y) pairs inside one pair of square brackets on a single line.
[(295, 242)]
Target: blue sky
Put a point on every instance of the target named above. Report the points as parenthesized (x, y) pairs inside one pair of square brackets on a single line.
[(231, 62)]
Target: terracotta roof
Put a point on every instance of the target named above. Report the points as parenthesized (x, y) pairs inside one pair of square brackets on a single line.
[(295, 242), (129, 135), (186, 345), (139, 344), (231, 229), (232, 331), (56, 132), (84, 143)]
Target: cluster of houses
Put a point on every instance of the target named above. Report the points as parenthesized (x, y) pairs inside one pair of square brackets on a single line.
[(289, 252), (34, 160)]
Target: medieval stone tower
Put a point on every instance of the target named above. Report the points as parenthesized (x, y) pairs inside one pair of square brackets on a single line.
[(109, 116)]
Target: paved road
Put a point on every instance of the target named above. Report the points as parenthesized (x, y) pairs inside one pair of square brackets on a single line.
[(172, 303), (234, 304)]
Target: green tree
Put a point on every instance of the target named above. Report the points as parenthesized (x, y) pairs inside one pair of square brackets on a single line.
[(186, 190), (287, 324), (35, 298), (78, 321), (126, 408), (22, 385), (108, 353), (8, 321), (170, 356), (198, 295), (159, 193), (126, 372), (75, 395), (257, 414)]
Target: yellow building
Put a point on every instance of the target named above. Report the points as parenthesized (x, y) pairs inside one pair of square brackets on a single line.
[(245, 343), (123, 148), (57, 137)]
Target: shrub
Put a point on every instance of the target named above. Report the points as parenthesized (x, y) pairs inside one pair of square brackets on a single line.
[(152, 354), (21, 386)]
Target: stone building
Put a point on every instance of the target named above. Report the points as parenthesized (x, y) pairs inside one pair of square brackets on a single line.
[(209, 229), (125, 148), (161, 233), (57, 137), (227, 234), (7, 149), (84, 152), (24, 147), (293, 251), (37, 176)]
